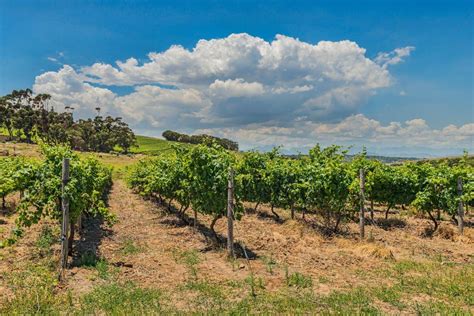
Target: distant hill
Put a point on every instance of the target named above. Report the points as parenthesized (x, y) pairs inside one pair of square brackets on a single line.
[(384, 159), (388, 159), (450, 160)]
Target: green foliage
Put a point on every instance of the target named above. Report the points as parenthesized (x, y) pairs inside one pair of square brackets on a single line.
[(329, 181), (15, 175), (194, 176), (438, 186), (87, 188), (392, 185), (323, 181), (252, 176), (209, 172)]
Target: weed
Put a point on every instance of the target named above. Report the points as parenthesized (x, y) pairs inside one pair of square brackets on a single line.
[(270, 263)]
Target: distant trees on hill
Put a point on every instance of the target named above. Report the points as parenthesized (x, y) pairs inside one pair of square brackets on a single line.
[(200, 139), (26, 117)]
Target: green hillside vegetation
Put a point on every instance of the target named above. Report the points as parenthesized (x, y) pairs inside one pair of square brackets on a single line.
[(154, 146)]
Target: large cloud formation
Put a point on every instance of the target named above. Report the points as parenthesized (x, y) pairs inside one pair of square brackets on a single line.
[(241, 86)]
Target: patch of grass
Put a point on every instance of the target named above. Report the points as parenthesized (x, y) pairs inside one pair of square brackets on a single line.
[(210, 296), (405, 266), (356, 301), (121, 299), (90, 260), (439, 308), (33, 292), (129, 247), (284, 302), (391, 295), (450, 286), (102, 267), (299, 280), (190, 259), (45, 240), (255, 284)]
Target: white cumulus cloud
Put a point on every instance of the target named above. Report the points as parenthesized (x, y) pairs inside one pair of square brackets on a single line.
[(284, 91), (394, 57)]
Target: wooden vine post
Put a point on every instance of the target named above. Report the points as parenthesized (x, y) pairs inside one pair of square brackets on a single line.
[(230, 214), (372, 209), (65, 218), (460, 208), (362, 203)]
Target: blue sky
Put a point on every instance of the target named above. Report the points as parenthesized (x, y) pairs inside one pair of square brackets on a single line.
[(434, 82)]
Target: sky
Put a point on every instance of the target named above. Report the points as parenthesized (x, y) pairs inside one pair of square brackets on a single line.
[(395, 77)]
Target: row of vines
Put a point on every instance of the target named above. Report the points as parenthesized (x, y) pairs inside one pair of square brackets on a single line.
[(323, 182), (38, 183)]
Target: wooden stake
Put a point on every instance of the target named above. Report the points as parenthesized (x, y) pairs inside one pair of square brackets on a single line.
[(460, 208), (230, 214), (195, 220), (372, 209), (362, 203), (65, 219)]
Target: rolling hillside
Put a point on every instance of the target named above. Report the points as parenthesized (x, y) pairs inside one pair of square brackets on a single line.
[(154, 146)]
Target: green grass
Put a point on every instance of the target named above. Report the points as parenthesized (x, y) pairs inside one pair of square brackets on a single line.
[(92, 261), (444, 290), (155, 146), (121, 299), (299, 280), (130, 247), (190, 259)]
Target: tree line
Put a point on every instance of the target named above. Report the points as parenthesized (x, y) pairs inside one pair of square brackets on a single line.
[(26, 117)]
